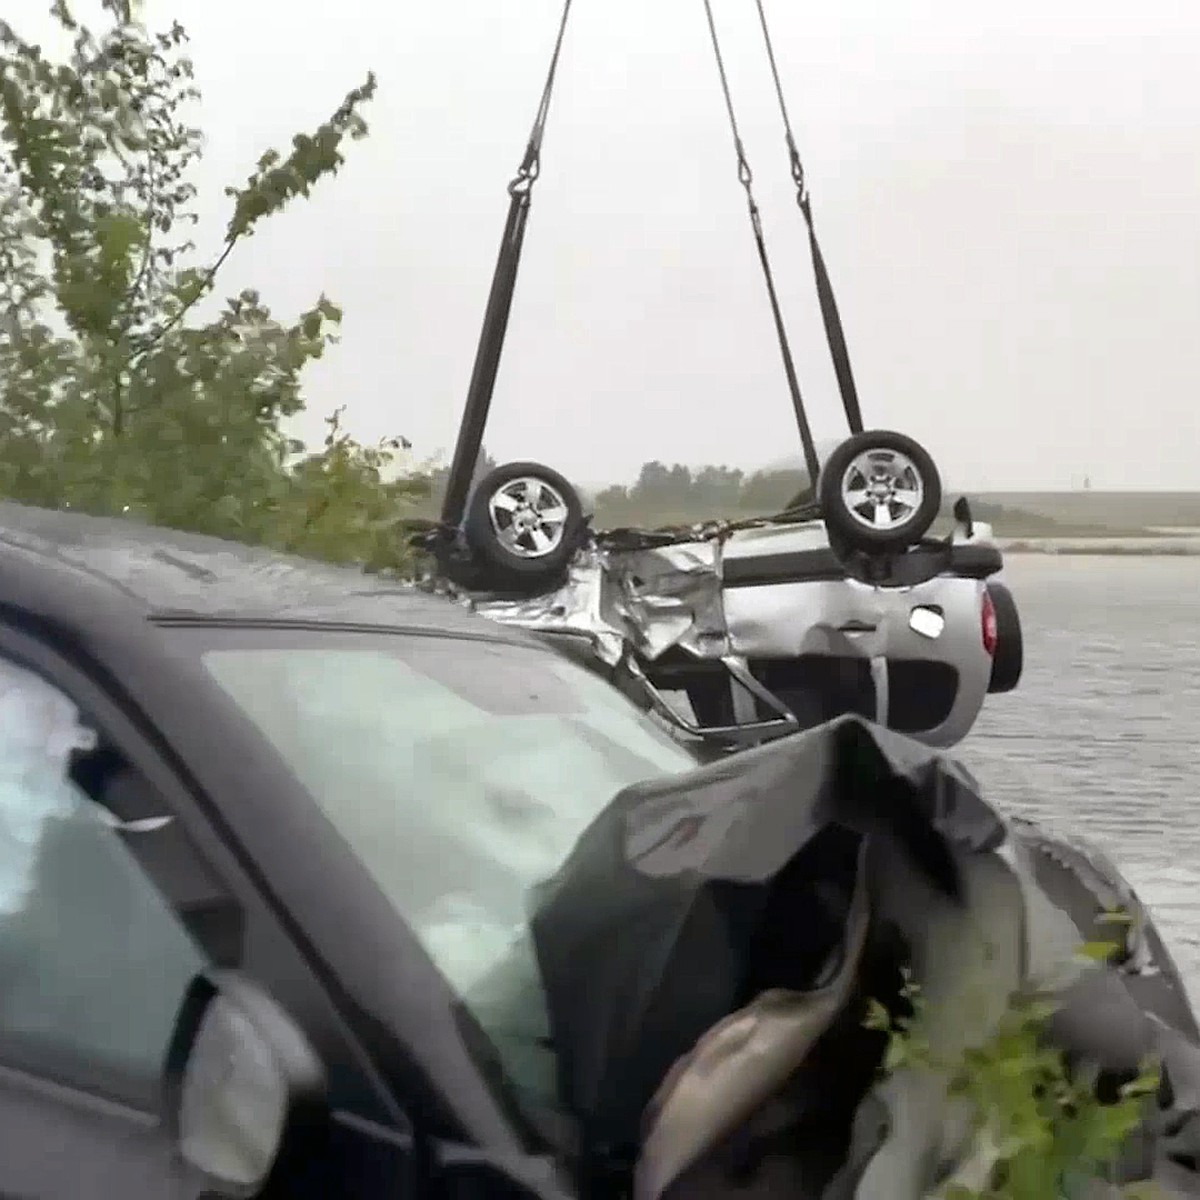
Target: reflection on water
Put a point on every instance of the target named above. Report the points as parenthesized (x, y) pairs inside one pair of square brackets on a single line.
[(1101, 733)]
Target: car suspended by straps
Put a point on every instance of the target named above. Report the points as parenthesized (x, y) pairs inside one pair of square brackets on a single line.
[(842, 603)]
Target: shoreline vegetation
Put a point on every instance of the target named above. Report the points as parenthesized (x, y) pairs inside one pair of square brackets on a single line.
[(1117, 524), (1101, 547), (1114, 524), (133, 383)]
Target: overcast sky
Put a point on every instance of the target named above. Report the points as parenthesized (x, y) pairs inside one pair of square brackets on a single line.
[(1007, 194)]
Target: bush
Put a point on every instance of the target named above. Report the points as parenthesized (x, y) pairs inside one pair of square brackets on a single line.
[(114, 398), (1038, 1129)]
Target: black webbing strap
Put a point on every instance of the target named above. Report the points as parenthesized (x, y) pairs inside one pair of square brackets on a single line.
[(746, 179), (831, 318), (495, 318)]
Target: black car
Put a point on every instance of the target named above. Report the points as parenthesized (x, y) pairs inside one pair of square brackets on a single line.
[(262, 824)]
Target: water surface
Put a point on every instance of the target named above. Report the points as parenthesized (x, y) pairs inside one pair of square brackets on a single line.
[(1102, 732)]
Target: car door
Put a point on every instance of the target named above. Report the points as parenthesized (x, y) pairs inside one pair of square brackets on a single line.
[(107, 911)]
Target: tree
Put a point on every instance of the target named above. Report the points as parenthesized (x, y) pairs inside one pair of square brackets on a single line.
[(717, 488), (653, 484), (113, 397), (614, 494), (770, 491), (659, 485)]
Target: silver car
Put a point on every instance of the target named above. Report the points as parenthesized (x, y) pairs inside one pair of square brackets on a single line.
[(919, 658), (841, 603), (738, 632)]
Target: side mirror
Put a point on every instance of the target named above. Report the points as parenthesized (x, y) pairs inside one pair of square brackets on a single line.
[(243, 1086)]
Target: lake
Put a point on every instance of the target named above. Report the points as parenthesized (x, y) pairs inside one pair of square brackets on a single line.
[(1102, 732)]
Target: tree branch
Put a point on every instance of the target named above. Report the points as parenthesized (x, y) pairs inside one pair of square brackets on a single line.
[(204, 285)]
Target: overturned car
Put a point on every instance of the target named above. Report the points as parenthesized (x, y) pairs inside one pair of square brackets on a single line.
[(740, 631), (737, 632)]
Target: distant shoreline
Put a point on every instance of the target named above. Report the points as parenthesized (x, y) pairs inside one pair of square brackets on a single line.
[(1102, 547)]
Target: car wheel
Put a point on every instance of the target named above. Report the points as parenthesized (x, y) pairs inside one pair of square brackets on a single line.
[(523, 520), (879, 491), (1008, 660)]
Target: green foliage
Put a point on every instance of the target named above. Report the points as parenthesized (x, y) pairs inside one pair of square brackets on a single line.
[(679, 495), (114, 397), (344, 501), (1046, 1130), (701, 494)]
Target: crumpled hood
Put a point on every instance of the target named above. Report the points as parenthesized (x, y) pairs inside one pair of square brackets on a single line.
[(708, 930), (668, 895)]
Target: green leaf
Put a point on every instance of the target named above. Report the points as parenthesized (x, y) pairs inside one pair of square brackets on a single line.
[(1048, 1130)]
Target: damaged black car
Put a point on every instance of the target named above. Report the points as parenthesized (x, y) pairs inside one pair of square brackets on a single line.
[(314, 885)]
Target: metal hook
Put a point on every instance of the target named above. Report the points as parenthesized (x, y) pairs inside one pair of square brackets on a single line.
[(744, 174), (797, 166), (526, 174)]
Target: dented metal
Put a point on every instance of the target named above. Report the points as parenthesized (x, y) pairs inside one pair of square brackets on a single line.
[(647, 599), (636, 600)]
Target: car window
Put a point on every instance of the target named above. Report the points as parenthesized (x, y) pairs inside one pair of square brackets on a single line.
[(460, 772), (94, 963)]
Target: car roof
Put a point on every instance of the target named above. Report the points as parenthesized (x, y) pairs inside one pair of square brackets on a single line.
[(169, 574)]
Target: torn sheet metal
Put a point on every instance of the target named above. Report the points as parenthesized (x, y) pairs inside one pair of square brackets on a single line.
[(651, 599), (584, 604), (671, 596)]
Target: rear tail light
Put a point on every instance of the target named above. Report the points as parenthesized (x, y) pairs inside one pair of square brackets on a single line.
[(988, 624)]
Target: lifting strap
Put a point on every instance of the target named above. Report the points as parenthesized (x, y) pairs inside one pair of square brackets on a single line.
[(831, 318), (499, 305), (495, 318), (746, 179)]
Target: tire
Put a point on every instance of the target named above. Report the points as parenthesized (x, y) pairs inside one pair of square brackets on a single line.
[(1008, 662), (524, 491), (905, 468)]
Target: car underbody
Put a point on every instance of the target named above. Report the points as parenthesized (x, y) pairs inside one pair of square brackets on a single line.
[(841, 603), (739, 634)]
